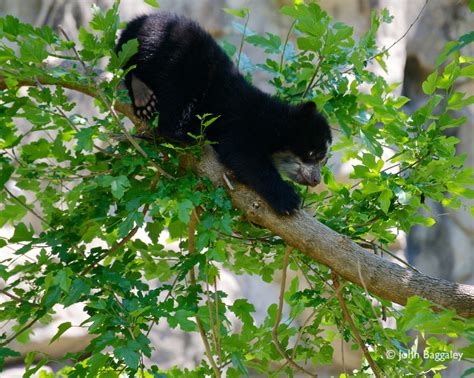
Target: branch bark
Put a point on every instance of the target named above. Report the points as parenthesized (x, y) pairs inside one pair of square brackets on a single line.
[(381, 277), (302, 231)]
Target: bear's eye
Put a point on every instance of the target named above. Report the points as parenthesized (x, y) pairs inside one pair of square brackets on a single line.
[(315, 155)]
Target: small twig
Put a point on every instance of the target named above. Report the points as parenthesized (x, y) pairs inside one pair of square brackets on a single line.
[(227, 182), (65, 57), (404, 34), (286, 43), (279, 347), (389, 339), (192, 279), (218, 330), (323, 280), (348, 318), (24, 205), (19, 332), (170, 291), (75, 128), (310, 84), (384, 51), (211, 317), (305, 275), (371, 245), (16, 298), (242, 40), (368, 223), (113, 249), (305, 324)]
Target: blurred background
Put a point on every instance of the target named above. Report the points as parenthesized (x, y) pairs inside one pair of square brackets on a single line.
[(444, 250)]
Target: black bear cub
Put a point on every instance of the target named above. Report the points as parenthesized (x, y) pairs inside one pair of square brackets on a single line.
[(181, 72)]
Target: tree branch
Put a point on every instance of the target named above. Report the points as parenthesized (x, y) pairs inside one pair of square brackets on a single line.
[(348, 318), (381, 277), (302, 231), (281, 298)]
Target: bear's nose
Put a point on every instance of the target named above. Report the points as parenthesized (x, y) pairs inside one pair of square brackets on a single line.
[(314, 181)]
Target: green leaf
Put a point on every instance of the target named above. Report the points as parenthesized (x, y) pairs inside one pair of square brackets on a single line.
[(242, 309), (11, 25), (429, 85), (342, 32), (130, 356), (237, 363), (118, 186), (372, 144), (59, 150), (229, 48), (428, 222), (36, 150), (241, 13), (400, 101), (177, 229), (85, 139), (6, 170), (457, 101), (5, 353), (153, 3), (63, 279), (63, 327), (154, 230), (181, 318), (325, 354), (88, 40), (469, 371), (309, 43), (133, 218), (77, 288), (105, 21), (271, 43), (184, 210), (467, 71), (384, 200), (21, 233), (464, 40), (34, 51), (128, 50), (95, 362)]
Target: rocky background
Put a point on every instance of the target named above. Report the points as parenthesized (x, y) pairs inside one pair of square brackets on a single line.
[(444, 250)]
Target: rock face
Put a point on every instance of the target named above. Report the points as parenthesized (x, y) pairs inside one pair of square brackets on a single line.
[(445, 250)]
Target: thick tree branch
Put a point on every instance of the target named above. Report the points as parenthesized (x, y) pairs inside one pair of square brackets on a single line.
[(381, 277)]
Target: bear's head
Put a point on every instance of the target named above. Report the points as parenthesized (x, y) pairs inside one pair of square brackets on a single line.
[(305, 151)]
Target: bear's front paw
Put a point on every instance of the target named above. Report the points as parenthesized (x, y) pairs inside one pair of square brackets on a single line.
[(285, 202)]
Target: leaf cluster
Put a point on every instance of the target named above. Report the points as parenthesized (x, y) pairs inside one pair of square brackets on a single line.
[(135, 248)]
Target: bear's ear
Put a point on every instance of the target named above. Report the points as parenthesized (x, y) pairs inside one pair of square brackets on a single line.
[(307, 108)]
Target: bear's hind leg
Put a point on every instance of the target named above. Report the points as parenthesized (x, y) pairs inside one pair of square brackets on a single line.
[(143, 98)]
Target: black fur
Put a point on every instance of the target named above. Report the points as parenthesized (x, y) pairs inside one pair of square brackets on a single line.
[(182, 72)]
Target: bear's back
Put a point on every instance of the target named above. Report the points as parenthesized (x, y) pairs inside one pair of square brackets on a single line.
[(172, 45), (185, 68)]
